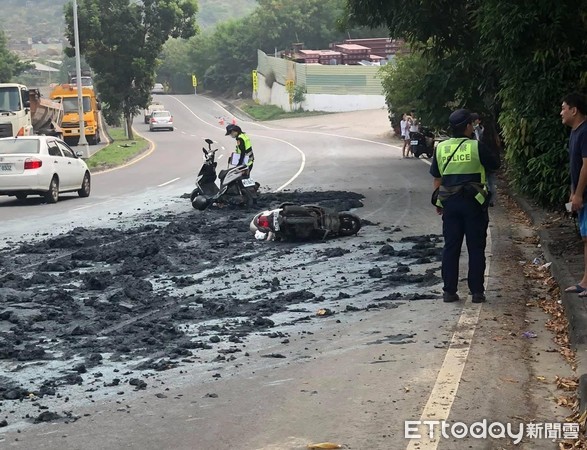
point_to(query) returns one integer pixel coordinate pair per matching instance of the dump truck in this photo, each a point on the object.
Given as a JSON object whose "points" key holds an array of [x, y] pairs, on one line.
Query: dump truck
{"points": [[23, 112], [66, 94], [86, 78], [155, 106]]}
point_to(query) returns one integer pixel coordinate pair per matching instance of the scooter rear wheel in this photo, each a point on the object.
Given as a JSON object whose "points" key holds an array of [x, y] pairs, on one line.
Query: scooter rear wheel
{"points": [[349, 224]]}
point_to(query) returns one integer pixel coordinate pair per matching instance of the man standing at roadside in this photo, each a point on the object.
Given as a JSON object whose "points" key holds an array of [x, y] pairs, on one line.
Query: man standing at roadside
{"points": [[459, 169], [573, 114]]}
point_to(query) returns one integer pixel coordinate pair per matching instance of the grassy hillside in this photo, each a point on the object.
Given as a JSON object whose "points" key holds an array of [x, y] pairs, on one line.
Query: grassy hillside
{"points": [[44, 19], [214, 11], [36, 19]]}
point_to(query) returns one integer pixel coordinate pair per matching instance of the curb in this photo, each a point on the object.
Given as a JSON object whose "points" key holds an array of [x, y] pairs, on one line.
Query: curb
{"points": [[574, 310], [230, 107]]}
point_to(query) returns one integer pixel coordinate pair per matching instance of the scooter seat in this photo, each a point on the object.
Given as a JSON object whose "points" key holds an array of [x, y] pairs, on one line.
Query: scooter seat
{"points": [[222, 174]]}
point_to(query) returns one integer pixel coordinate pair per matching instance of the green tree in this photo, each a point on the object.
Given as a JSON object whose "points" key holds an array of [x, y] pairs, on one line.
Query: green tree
{"points": [[224, 57], [175, 69], [541, 51], [10, 64], [122, 39], [513, 60]]}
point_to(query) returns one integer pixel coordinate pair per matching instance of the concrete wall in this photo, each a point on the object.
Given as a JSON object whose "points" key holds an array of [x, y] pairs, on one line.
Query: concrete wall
{"points": [[328, 88]]}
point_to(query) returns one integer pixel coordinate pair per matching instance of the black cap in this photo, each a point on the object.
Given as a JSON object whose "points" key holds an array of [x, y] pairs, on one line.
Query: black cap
{"points": [[475, 116], [460, 117], [230, 128]]}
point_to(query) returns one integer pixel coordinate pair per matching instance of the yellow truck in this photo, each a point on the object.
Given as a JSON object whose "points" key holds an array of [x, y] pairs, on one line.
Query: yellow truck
{"points": [[66, 94]]}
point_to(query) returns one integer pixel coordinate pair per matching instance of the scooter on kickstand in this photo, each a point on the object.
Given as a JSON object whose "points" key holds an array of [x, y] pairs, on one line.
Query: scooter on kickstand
{"points": [[422, 142], [236, 187]]}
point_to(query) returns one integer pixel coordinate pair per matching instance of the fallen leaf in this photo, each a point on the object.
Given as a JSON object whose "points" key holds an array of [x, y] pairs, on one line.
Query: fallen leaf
{"points": [[509, 380], [324, 445]]}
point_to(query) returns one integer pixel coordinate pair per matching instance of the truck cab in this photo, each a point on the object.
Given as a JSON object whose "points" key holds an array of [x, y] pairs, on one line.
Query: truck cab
{"points": [[15, 120], [23, 112], [66, 94]]}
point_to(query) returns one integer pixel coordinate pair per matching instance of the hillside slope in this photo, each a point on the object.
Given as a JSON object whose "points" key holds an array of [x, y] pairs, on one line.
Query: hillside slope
{"points": [[44, 19]]}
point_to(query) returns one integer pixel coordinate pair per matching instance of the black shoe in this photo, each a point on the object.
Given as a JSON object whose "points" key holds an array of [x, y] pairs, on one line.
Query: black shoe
{"points": [[447, 297], [479, 298]]}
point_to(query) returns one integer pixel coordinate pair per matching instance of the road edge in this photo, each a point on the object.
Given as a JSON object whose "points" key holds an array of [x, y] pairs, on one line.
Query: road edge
{"points": [[574, 310]]}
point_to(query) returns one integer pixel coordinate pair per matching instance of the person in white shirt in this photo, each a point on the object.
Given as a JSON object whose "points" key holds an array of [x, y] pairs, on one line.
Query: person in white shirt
{"points": [[403, 127]]}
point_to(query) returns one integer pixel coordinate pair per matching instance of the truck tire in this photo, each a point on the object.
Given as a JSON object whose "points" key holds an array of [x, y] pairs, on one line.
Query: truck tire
{"points": [[52, 195], [84, 191]]}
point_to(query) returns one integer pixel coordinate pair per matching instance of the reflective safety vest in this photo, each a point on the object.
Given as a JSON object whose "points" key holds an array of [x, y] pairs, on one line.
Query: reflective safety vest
{"points": [[248, 148], [465, 161]]}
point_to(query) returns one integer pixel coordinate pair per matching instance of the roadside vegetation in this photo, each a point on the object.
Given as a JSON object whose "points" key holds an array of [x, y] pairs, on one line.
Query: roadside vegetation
{"points": [[119, 152], [272, 112], [511, 62], [223, 57]]}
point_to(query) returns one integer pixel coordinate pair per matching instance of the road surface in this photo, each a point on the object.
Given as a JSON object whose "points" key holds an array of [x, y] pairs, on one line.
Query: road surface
{"points": [[354, 377]]}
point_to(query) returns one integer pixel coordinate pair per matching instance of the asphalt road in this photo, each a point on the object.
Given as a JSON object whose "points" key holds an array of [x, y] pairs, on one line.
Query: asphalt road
{"points": [[351, 380]]}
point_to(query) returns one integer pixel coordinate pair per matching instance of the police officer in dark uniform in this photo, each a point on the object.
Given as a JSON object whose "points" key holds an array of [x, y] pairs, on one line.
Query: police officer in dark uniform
{"points": [[459, 168]]}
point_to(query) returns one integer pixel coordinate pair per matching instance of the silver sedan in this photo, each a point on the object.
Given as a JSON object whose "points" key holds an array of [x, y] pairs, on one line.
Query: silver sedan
{"points": [[41, 165], [161, 120]]}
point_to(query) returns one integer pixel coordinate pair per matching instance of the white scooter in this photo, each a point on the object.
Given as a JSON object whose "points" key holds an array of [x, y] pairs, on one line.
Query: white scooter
{"points": [[236, 188]]}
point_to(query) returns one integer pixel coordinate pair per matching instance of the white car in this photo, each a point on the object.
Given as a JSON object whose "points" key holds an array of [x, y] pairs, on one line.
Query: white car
{"points": [[158, 88], [41, 165], [161, 120]]}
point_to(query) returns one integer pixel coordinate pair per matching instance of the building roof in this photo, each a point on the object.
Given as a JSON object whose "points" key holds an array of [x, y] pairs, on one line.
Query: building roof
{"points": [[43, 68], [309, 52], [353, 47], [329, 53]]}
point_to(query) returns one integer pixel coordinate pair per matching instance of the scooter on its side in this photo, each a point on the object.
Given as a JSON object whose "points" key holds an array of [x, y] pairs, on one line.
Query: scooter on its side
{"points": [[235, 188], [291, 222]]}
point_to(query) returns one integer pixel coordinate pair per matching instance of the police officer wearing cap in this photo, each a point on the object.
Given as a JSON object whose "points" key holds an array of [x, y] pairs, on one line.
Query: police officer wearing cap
{"points": [[459, 168], [243, 146]]}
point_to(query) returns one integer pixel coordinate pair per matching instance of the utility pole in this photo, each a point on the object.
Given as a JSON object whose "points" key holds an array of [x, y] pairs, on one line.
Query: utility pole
{"points": [[80, 101]]}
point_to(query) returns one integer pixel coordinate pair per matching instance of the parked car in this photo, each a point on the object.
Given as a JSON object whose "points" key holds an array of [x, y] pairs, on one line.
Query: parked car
{"points": [[155, 106], [161, 120], [41, 165], [158, 88]]}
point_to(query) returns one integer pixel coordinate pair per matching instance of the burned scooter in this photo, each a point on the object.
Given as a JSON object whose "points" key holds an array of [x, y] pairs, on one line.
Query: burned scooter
{"points": [[235, 188], [290, 222]]}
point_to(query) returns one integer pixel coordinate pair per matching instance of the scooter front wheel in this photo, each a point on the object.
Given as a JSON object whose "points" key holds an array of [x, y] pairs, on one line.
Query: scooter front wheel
{"points": [[197, 191]]}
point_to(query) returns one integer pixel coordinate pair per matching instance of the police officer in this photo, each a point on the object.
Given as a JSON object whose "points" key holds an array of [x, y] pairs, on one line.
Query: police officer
{"points": [[459, 169], [243, 146]]}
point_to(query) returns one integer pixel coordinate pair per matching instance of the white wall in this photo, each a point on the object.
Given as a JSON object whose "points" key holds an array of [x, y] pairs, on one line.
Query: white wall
{"points": [[277, 95]]}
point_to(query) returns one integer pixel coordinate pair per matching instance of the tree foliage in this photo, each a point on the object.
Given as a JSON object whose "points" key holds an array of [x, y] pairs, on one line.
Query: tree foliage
{"points": [[224, 57], [10, 64], [512, 61], [122, 39]]}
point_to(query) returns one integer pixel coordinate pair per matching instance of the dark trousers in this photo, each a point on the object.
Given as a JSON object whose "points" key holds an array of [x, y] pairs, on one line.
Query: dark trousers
{"points": [[464, 217]]}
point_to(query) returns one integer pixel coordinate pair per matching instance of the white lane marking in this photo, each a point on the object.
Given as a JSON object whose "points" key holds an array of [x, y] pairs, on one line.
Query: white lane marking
{"points": [[447, 383], [92, 205], [278, 382], [288, 182], [168, 182]]}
